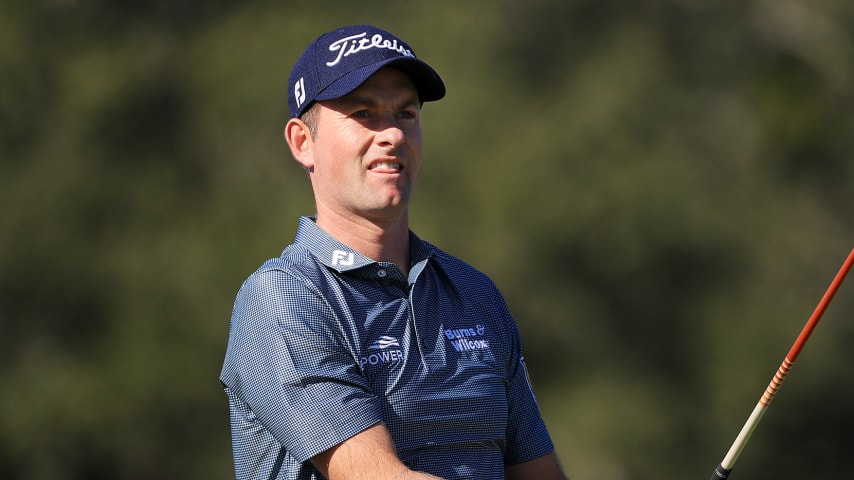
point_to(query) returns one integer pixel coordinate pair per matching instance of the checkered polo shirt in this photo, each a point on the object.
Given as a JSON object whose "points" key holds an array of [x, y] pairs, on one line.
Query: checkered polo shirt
{"points": [[325, 342]]}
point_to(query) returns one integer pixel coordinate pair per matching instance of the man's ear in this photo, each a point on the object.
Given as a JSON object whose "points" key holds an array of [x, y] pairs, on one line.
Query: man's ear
{"points": [[299, 138]]}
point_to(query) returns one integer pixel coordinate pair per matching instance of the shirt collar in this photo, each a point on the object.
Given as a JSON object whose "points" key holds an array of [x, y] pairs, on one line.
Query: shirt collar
{"points": [[338, 256]]}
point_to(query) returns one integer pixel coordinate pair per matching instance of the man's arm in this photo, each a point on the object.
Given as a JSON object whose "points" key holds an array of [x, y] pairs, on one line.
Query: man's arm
{"points": [[546, 467], [368, 455]]}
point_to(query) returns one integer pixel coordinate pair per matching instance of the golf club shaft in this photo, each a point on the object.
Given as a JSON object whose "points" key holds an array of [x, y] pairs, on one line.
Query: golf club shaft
{"points": [[725, 467]]}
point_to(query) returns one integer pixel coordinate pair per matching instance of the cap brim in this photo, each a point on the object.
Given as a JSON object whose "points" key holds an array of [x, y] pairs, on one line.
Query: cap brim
{"points": [[428, 83]]}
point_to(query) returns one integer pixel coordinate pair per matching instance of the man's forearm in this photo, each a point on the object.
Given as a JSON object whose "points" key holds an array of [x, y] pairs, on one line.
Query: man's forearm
{"points": [[368, 455]]}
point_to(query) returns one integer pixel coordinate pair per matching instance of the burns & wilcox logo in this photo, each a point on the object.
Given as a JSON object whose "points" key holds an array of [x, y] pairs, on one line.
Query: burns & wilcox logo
{"points": [[467, 339]]}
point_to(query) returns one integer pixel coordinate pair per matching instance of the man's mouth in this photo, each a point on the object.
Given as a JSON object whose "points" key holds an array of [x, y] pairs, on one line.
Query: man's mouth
{"points": [[387, 166]]}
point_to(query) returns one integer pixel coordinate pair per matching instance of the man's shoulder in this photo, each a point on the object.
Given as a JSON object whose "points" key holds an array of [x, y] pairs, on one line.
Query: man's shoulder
{"points": [[295, 263], [294, 258], [296, 274], [459, 269]]}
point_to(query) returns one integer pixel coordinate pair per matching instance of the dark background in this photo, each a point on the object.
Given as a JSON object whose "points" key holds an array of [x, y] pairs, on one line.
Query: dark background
{"points": [[661, 188]]}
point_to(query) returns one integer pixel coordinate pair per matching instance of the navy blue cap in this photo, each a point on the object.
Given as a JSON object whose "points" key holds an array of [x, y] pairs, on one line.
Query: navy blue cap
{"points": [[339, 61]]}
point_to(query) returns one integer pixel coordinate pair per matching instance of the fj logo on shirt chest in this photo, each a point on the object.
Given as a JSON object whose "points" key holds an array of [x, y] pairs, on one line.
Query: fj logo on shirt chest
{"points": [[466, 339]]}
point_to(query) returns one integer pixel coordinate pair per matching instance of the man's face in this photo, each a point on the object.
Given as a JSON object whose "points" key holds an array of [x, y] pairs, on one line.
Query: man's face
{"points": [[367, 149]]}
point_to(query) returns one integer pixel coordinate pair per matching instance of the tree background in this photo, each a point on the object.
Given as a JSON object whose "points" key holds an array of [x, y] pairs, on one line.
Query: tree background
{"points": [[661, 188]]}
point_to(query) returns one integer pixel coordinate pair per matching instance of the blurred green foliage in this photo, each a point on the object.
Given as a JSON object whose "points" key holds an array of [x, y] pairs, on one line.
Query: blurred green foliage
{"points": [[661, 188]]}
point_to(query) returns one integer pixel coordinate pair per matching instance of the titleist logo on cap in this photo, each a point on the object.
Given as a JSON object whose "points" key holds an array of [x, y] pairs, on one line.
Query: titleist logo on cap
{"points": [[357, 43], [338, 62]]}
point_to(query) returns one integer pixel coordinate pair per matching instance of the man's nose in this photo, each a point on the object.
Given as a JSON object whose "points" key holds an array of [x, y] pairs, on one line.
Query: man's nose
{"points": [[389, 131]]}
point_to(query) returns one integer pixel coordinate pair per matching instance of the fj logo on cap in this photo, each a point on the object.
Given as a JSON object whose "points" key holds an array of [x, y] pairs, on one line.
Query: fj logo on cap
{"points": [[357, 43], [299, 91]]}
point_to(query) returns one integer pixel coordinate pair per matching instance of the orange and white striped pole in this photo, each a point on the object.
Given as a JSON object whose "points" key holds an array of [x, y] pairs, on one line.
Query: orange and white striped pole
{"points": [[725, 467]]}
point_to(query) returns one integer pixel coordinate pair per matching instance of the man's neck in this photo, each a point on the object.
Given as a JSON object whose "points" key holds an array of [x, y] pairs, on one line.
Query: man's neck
{"points": [[386, 241]]}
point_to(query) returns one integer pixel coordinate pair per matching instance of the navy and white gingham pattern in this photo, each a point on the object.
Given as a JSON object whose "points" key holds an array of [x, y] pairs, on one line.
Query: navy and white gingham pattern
{"points": [[325, 342]]}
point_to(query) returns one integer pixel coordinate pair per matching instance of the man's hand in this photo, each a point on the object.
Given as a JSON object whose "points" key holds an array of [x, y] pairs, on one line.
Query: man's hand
{"points": [[368, 455]]}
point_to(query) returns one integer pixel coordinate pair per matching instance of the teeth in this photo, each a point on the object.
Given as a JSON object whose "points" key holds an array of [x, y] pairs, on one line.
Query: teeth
{"points": [[387, 165]]}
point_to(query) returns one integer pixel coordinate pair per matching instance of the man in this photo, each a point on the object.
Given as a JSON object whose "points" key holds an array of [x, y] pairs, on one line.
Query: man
{"points": [[364, 352]]}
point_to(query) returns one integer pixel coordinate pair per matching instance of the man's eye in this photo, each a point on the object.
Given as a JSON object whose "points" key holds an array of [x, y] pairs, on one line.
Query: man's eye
{"points": [[361, 114]]}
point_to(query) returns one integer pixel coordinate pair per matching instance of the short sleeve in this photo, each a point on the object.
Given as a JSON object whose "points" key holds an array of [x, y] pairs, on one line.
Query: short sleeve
{"points": [[288, 363], [527, 436]]}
